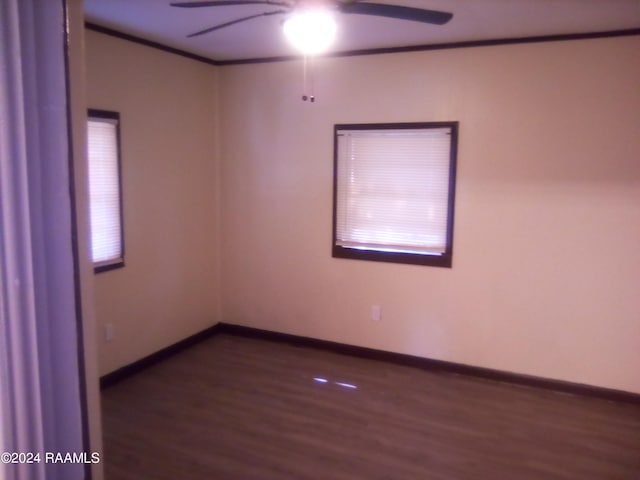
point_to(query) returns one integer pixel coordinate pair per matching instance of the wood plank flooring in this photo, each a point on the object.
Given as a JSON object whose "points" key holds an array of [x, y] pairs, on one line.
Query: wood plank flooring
{"points": [[240, 408]]}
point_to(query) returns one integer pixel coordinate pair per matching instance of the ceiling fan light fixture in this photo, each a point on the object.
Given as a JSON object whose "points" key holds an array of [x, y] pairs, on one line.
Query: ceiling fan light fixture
{"points": [[311, 31]]}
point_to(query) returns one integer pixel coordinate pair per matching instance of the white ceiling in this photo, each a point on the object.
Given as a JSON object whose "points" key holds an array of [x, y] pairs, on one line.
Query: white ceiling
{"points": [[473, 20]]}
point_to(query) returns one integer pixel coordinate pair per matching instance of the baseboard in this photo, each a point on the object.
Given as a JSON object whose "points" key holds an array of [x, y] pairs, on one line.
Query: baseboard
{"points": [[436, 365], [128, 370], [373, 354]]}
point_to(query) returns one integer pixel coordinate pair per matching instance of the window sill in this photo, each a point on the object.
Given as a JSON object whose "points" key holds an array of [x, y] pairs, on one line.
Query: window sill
{"points": [[444, 260], [109, 266]]}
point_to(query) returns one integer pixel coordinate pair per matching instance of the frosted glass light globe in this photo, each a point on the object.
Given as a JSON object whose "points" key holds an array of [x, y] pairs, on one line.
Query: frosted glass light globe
{"points": [[311, 32]]}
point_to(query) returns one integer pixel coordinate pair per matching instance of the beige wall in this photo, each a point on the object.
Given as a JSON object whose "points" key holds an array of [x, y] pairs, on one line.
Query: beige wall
{"points": [[546, 268], [546, 258], [169, 288]]}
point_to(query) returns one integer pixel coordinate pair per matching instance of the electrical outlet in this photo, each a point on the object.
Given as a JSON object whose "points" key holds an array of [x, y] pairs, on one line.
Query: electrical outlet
{"points": [[109, 332], [376, 312]]}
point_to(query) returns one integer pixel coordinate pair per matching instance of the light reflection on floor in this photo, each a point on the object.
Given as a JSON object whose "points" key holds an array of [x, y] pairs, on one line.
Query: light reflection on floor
{"points": [[340, 384]]}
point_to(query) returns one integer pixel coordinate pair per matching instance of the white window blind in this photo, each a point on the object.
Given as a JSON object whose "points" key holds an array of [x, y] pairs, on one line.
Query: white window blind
{"points": [[393, 190], [104, 191]]}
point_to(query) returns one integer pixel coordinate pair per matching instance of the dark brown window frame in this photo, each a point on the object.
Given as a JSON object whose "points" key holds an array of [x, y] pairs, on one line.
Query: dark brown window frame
{"points": [[111, 115], [443, 260]]}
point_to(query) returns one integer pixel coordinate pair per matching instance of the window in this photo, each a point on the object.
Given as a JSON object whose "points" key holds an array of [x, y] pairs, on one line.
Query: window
{"points": [[394, 192], [105, 196]]}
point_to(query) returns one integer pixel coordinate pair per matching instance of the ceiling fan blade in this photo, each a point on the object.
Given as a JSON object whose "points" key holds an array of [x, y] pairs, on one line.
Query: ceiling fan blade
{"points": [[226, 3], [396, 11], [233, 22]]}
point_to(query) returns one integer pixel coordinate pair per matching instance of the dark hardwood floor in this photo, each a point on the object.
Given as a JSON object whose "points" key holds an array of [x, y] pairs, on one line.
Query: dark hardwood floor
{"points": [[240, 408]]}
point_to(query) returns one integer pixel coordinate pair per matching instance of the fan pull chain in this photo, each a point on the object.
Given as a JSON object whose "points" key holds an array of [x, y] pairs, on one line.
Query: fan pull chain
{"points": [[307, 63], [312, 76]]}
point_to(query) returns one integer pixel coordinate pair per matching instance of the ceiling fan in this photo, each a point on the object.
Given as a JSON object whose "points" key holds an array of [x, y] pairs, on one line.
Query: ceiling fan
{"points": [[309, 24], [296, 8]]}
